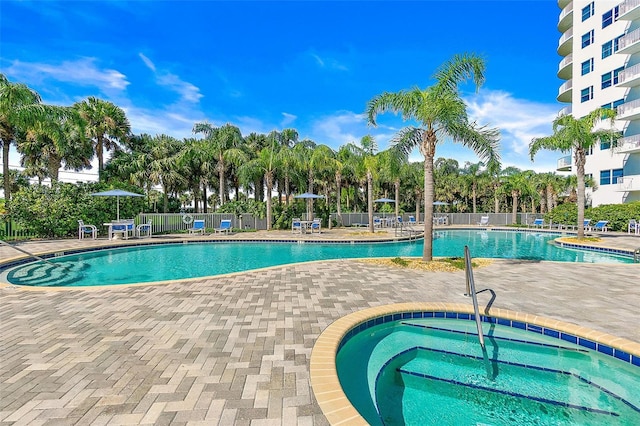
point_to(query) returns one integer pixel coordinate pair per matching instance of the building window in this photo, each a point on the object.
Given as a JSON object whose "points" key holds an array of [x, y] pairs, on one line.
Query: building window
{"points": [[587, 11], [605, 145], [610, 17], [617, 103], [588, 178], [587, 39], [587, 66], [616, 43], [606, 80], [605, 177], [586, 94], [607, 49], [616, 175], [617, 71]]}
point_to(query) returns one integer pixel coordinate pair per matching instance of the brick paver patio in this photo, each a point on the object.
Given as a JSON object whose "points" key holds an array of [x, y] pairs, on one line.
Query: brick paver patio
{"points": [[234, 350]]}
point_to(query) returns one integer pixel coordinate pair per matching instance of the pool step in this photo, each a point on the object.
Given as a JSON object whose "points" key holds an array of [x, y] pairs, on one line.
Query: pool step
{"points": [[48, 275], [473, 378]]}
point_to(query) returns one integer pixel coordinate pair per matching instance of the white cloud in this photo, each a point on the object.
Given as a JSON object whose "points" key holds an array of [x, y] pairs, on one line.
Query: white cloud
{"points": [[288, 119], [147, 62], [328, 63], [81, 72]]}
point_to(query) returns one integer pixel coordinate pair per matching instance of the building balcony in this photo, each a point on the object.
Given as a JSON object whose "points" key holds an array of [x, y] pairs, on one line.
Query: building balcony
{"points": [[566, 18], [565, 45], [564, 164], [628, 145], [563, 3], [629, 111], [565, 70], [565, 111], [628, 184], [629, 10], [630, 43], [630, 77], [564, 94]]}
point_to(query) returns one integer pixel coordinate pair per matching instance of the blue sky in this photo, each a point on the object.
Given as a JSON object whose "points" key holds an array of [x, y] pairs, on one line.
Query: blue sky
{"points": [[309, 65]]}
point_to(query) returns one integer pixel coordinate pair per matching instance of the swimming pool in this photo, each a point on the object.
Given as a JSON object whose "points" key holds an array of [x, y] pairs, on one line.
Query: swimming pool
{"points": [[412, 366], [152, 263]]}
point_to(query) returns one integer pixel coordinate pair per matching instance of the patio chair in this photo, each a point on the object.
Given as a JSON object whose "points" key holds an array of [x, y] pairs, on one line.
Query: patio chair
{"points": [[85, 229], [586, 223], [198, 227], [377, 222], [225, 227], [144, 228], [296, 226], [412, 220], [484, 221], [121, 227], [600, 226], [634, 226], [316, 226], [537, 223]]}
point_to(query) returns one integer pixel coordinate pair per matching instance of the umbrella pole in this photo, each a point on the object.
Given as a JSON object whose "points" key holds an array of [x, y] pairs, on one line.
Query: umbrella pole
{"points": [[118, 207]]}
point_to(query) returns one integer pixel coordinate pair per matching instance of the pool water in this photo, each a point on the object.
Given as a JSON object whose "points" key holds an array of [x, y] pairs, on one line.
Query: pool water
{"points": [[177, 261], [433, 371]]}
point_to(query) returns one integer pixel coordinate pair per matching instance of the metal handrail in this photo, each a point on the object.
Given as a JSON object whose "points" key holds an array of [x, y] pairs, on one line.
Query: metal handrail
{"points": [[636, 255], [29, 253], [471, 291]]}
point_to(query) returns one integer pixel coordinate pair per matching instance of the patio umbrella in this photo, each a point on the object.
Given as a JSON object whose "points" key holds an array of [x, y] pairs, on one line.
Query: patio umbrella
{"points": [[116, 193], [384, 200], [309, 197], [440, 203]]}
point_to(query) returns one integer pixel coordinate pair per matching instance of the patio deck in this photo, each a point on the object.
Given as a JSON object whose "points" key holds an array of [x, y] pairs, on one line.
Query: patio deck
{"points": [[235, 349]]}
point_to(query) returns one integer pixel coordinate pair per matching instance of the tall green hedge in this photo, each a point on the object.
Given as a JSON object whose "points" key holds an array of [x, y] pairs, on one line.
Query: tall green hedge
{"points": [[618, 215]]}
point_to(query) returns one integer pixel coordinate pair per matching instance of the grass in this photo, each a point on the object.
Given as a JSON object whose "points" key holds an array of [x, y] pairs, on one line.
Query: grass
{"points": [[446, 264]]}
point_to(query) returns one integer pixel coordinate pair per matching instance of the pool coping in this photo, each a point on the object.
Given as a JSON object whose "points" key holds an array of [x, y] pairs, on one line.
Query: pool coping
{"points": [[322, 366]]}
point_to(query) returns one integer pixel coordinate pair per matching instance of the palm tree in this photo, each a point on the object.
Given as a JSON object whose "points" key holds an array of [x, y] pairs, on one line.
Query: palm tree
{"points": [[225, 143], [577, 135], [442, 113], [264, 165], [105, 123], [159, 165], [58, 137], [17, 110]]}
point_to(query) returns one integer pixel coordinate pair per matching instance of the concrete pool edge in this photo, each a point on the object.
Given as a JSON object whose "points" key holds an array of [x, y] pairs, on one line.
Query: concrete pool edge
{"points": [[325, 383]]}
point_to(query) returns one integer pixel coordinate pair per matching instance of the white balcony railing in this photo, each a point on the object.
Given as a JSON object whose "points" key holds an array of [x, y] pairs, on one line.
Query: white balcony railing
{"points": [[628, 108], [629, 39], [629, 73], [564, 163], [567, 10], [566, 36], [628, 183], [628, 144], [628, 5], [567, 60], [565, 86], [565, 111]]}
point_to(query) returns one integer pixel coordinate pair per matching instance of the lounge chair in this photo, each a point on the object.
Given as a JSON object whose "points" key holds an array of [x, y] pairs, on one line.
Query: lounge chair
{"points": [[586, 223], [412, 220], [85, 229], [225, 226], [198, 227], [377, 222], [634, 226], [316, 226], [600, 226], [296, 226], [484, 221], [538, 223], [144, 228]]}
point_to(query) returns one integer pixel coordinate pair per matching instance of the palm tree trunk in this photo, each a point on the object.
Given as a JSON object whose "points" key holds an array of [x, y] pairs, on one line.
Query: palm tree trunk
{"points": [[397, 187], [5, 168], [370, 199], [427, 252], [473, 194], [338, 197], [514, 210], [268, 179], [204, 197], [580, 160], [417, 192]]}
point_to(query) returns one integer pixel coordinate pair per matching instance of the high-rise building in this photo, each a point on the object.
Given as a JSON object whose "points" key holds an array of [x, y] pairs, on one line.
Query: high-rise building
{"points": [[600, 49]]}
